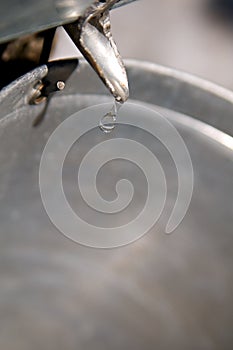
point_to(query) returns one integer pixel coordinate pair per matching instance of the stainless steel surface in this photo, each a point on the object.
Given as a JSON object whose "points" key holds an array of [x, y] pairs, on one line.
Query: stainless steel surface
{"points": [[94, 39], [162, 292]]}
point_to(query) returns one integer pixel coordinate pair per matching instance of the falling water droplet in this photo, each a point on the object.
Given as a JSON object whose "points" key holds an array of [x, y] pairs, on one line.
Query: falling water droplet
{"points": [[108, 121]]}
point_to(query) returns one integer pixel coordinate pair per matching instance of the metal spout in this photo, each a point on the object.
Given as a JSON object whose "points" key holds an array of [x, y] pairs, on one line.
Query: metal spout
{"points": [[92, 35]]}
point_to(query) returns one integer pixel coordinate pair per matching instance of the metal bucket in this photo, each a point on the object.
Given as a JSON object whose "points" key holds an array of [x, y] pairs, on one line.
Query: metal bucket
{"points": [[161, 292]]}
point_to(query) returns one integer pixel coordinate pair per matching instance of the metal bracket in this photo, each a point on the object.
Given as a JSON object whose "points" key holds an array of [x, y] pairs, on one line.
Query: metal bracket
{"points": [[55, 80]]}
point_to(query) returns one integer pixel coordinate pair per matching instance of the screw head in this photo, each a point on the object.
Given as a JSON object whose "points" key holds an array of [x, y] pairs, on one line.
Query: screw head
{"points": [[61, 85]]}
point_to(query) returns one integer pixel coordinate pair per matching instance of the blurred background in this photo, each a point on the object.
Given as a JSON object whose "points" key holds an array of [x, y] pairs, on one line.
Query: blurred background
{"points": [[195, 36]]}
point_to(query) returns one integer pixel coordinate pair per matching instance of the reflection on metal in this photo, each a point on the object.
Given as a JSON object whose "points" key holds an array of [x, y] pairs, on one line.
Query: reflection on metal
{"points": [[204, 129], [159, 290], [92, 35]]}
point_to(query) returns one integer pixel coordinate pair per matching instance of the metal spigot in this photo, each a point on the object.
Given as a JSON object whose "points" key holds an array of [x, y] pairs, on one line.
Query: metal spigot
{"points": [[92, 35], [27, 33]]}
